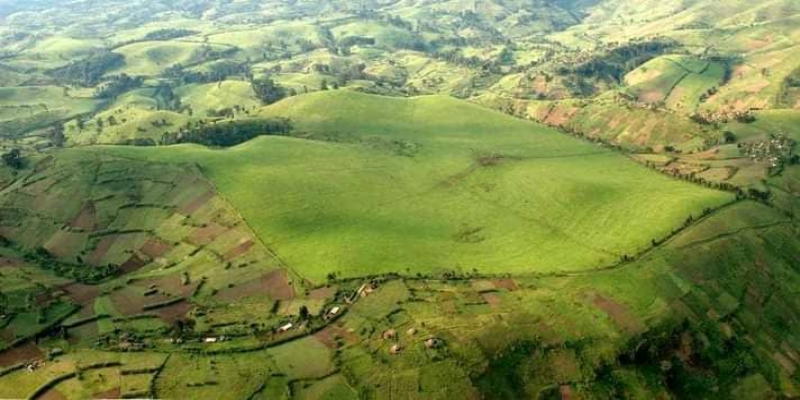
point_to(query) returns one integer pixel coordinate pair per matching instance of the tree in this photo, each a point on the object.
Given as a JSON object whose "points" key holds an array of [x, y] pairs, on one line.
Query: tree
{"points": [[267, 90], [304, 314], [729, 137], [57, 135], [324, 85], [13, 159]]}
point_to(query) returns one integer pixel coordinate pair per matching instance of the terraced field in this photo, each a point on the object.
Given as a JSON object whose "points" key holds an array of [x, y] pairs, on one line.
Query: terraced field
{"points": [[439, 199]]}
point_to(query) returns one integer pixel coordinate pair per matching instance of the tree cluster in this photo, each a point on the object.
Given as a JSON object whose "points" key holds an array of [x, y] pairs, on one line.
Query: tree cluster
{"points": [[228, 133], [117, 85], [90, 71], [267, 90]]}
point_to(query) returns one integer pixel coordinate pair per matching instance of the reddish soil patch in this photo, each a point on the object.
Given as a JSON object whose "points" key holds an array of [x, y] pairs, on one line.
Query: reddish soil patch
{"points": [[52, 394], [278, 287], [560, 116], [83, 333], [505, 283], [322, 293], [328, 336], [103, 246], [80, 293], [785, 362], [566, 392], [651, 96], [275, 284], [133, 263], [63, 244], [207, 234], [128, 302], [111, 394], [169, 284], [194, 205], [20, 354], [239, 250], [155, 248], [9, 263], [43, 298], [757, 87], [86, 219], [174, 312], [618, 313], [44, 164], [492, 298]]}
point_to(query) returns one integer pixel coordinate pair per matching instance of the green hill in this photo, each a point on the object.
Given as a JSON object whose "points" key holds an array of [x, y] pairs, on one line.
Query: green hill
{"points": [[365, 184]]}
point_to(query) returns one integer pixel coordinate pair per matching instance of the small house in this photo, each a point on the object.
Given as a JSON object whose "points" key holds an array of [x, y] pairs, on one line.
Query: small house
{"points": [[286, 327]]}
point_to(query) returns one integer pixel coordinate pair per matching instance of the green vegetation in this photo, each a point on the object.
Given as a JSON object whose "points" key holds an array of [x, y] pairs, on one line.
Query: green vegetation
{"points": [[338, 200], [407, 160]]}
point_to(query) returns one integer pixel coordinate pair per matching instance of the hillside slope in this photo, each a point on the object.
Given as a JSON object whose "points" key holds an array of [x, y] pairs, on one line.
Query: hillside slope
{"points": [[364, 181]]}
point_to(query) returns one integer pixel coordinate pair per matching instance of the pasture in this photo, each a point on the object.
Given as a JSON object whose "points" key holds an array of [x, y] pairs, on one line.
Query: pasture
{"points": [[381, 185]]}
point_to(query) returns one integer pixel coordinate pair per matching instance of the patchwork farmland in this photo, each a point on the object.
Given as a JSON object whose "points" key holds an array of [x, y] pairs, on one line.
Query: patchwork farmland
{"points": [[437, 199]]}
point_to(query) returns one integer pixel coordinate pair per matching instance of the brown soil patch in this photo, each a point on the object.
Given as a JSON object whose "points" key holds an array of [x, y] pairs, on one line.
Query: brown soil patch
{"points": [[20, 354], [133, 264], [207, 234], [785, 362], [560, 116], [684, 351], [493, 299], [328, 335], [102, 248], [44, 164], [275, 284], [194, 205], [239, 250], [83, 333], [278, 287], [131, 300], [618, 313], [505, 283], [155, 248], [758, 43], [169, 284], [9, 263], [52, 394], [757, 87], [565, 391], [651, 96], [80, 293], [322, 293], [127, 302], [86, 219], [115, 393], [174, 312], [63, 244]]}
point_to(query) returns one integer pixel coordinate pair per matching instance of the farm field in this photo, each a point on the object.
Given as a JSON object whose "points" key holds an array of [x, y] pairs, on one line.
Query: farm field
{"points": [[376, 199]]}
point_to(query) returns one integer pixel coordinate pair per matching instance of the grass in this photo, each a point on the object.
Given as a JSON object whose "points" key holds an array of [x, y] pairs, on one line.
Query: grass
{"points": [[305, 358], [371, 198], [217, 96], [31, 107], [678, 82], [152, 58], [233, 376]]}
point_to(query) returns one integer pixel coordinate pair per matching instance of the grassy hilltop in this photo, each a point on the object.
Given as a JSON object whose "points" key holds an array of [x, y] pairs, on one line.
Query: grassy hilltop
{"points": [[366, 184]]}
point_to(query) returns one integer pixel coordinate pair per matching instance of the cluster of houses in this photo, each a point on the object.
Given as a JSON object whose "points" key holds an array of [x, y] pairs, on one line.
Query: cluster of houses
{"points": [[430, 342], [772, 151]]}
